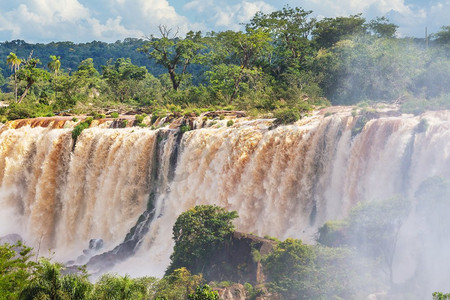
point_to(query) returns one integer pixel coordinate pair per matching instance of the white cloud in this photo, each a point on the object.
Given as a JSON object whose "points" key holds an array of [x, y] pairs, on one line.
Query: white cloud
{"points": [[45, 20], [232, 15], [199, 6], [110, 20]]}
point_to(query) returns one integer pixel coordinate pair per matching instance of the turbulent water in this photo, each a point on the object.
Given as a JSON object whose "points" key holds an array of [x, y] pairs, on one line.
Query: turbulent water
{"points": [[283, 182]]}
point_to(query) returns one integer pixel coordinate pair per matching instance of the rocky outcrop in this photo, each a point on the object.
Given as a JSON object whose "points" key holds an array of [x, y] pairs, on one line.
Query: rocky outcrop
{"points": [[11, 239], [239, 260]]}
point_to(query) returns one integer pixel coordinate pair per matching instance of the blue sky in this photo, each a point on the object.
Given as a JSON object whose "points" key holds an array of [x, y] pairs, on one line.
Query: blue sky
{"points": [[110, 20]]}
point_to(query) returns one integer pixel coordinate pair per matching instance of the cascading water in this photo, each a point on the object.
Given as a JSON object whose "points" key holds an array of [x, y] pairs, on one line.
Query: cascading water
{"points": [[284, 182]]}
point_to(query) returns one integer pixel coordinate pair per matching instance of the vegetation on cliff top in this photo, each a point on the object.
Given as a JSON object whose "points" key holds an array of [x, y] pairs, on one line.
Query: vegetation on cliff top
{"points": [[286, 62]]}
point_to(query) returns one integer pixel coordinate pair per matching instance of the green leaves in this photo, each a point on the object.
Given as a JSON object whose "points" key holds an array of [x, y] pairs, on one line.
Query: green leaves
{"points": [[204, 293], [197, 233], [15, 269], [173, 53]]}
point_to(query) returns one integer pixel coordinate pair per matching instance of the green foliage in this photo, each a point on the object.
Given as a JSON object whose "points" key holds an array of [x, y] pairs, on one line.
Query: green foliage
{"points": [[286, 116], [443, 37], [184, 128], [300, 271], [47, 282], [197, 233], [26, 110], [15, 269], [285, 59], [114, 115], [329, 31], [230, 123], [174, 53], [177, 285], [381, 27], [417, 106], [372, 227], [80, 127], [441, 296], [288, 265], [77, 286], [111, 286], [204, 293]]}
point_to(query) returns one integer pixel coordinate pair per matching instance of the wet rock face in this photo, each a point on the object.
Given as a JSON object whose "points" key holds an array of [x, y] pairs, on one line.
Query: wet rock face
{"points": [[233, 292], [239, 260], [95, 244]]}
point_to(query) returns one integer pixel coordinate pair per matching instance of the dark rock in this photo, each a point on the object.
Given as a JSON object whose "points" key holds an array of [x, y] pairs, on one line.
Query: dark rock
{"points": [[96, 244], [11, 238], [233, 292], [239, 260]]}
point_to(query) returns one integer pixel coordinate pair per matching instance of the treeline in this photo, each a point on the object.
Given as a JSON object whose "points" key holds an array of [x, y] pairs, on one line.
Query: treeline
{"points": [[285, 61]]}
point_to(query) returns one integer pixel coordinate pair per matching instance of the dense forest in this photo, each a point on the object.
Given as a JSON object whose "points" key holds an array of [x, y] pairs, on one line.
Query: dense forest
{"points": [[284, 63]]}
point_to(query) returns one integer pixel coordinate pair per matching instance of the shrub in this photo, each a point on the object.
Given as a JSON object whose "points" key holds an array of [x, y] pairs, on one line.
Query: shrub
{"points": [[114, 115], [286, 116], [185, 128], [80, 127], [204, 293], [230, 123]]}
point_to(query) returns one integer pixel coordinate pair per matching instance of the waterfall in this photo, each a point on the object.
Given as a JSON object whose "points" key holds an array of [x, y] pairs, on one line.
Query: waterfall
{"points": [[127, 186]]}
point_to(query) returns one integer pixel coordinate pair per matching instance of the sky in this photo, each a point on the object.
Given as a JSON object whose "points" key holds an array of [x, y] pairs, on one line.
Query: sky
{"points": [[79, 21]]}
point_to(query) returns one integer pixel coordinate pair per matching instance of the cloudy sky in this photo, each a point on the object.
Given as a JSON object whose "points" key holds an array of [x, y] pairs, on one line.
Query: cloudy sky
{"points": [[111, 20]]}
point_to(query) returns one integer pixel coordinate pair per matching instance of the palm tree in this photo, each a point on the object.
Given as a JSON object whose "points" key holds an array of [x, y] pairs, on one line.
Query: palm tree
{"points": [[15, 62], [54, 65]]}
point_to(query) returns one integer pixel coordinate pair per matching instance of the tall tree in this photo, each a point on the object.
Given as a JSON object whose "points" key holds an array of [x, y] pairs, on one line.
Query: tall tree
{"points": [[241, 52], [381, 27], [331, 30], [443, 37], [30, 74], [123, 78], [54, 65], [173, 53], [289, 29], [15, 62]]}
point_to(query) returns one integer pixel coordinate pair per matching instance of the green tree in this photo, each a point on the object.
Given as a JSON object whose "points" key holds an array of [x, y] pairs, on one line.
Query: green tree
{"points": [[15, 269], [55, 64], [289, 30], [331, 30], [381, 27], [244, 50], [30, 74], [123, 78], [204, 293], [173, 53], [372, 227], [111, 286], [77, 286], [441, 296], [45, 283], [177, 285], [197, 233], [443, 37], [288, 266], [15, 62]]}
